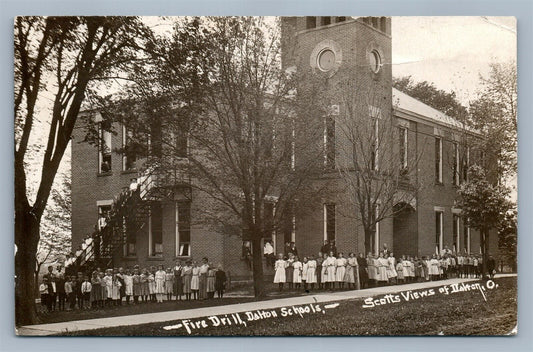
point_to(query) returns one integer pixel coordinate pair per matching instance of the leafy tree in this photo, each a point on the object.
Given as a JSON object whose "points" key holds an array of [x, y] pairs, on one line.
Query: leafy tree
{"points": [[484, 205], [427, 93], [507, 238], [56, 234], [494, 114], [225, 121], [57, 58], [256, 143]]}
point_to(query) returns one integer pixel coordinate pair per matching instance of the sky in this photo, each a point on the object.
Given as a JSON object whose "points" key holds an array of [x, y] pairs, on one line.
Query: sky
{"points": [[451, 52]]}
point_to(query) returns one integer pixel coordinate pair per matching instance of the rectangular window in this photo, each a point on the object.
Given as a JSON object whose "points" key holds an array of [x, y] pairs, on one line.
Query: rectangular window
{"points": [[183, 229], [456, 234], [104, 148], [466, 164], [329, 222], [325, 20], [438, 160], [181, 144], [466, 238], [455, 175], [403, 147], [375, 144], [329, 142], [438, 231], [104, 212], [156, 230], [129, 156]]}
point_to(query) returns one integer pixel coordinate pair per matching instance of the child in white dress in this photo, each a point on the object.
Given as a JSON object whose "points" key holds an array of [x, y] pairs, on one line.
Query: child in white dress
{"points": [[305, 267], [311, 278], [330, 264], [195, 281], [159, 279], [297, 273], [279, 275], [340, 270]]}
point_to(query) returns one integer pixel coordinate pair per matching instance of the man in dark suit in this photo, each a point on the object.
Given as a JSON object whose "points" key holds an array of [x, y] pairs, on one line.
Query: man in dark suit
{"points": [[325, 248], [52, 287], [491, 266]]}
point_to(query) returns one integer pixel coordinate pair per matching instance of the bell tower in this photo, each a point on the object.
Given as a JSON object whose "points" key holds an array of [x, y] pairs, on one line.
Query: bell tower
{"points": [[358, 46], [350, 58]]}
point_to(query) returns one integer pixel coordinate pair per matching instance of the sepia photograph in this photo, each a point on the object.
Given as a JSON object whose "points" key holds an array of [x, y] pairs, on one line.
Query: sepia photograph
{"points": [[265, 176]]}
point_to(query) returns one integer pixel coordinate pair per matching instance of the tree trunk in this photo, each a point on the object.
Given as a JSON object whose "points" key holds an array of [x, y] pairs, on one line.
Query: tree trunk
{"points": [[368, 241], [485, 239], [26, 240], [257, 264]]}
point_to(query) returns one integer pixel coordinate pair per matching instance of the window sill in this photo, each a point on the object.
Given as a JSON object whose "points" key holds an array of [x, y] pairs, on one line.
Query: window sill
{"points": [[182, 257], [155, 258], [126, 172], [102, 174], [437, 183]]}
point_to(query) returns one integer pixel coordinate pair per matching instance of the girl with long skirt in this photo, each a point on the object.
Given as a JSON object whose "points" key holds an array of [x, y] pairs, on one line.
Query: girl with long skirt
{"points": [[351, 267], [178, 282], [211, 281], [136, 286], [305, 267], [128, 285], [382, 264], [331, 271], [311, 277], [186, 277], [279, 272], [169, 284], [202, 279], [195, 280], [159, 283], [340, 270], [324, 272], [289, 271], [297, 272], [95, 289]]}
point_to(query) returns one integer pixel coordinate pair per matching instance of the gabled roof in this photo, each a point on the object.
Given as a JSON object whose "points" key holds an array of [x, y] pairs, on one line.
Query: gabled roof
{"points": [[405, 103]]}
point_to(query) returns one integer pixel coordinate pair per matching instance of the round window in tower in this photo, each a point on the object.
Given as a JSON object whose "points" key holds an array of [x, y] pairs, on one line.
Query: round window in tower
{"points": [[375, 61], [326, 60]]}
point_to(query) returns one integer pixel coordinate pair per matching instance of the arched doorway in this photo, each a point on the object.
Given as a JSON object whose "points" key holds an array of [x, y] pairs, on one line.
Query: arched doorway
{"points": [[405, 230]]}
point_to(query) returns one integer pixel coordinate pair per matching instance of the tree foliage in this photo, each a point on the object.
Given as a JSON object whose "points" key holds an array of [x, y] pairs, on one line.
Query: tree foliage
{"points": [[484, 205], [507, 238], [427, 93], [493, 112]]}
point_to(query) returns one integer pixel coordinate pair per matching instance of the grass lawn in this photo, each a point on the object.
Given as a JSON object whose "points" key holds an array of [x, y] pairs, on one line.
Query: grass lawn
{"points": [[461, 313]]}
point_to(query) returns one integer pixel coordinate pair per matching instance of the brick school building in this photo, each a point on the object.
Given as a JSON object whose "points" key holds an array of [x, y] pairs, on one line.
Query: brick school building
{"points": [[165, 227]]}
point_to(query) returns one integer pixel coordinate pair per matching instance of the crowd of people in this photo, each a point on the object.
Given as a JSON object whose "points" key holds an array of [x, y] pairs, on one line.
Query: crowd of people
{"points": [[331, 269], [187, 280]]}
